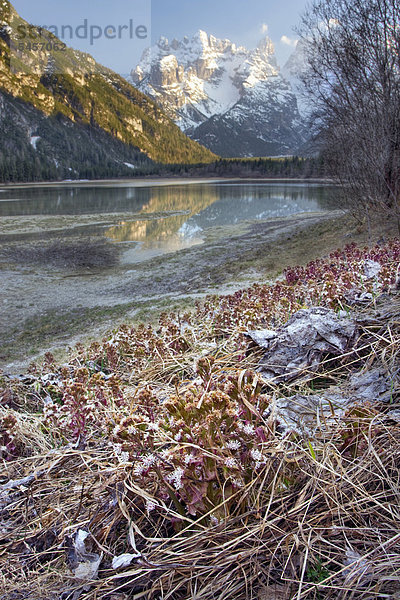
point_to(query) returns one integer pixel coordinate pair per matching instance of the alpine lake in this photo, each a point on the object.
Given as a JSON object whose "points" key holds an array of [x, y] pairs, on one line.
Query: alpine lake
{"points": [[77, 258]]}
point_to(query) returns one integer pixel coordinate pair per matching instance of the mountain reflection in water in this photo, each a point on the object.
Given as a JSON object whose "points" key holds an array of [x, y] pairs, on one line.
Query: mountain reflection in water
{"points": [[163, 218], [212, 205]]}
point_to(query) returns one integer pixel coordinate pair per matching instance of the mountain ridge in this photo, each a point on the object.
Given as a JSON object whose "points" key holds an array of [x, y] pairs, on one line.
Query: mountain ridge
{"points": [[231, 99], [50, 94]]}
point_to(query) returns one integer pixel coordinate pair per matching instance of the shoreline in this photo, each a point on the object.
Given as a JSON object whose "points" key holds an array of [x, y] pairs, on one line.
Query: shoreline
{"points": [[216, 446], [154, 180], [49, 306], [67, 303]]}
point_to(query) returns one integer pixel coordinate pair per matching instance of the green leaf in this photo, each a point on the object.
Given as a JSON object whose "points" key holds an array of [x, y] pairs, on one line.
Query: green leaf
{"points": [[312, 451]]}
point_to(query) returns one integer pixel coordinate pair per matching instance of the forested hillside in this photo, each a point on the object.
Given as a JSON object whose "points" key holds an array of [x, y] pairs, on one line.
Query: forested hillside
{"points": [[61, 112]]}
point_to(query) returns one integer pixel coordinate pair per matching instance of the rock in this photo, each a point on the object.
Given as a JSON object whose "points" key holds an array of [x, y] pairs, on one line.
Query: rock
{"points": [[303, 413], [394, 415], [297, 348], [354, 297], [370, 386], [297, 413], [262, 337]]}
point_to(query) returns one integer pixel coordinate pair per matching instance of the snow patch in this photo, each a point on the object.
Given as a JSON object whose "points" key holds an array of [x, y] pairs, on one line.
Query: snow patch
{"points": [[34, 140]]}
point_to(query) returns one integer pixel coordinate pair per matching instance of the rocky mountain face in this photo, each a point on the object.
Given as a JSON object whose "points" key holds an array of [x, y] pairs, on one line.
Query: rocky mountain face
{"points": [[232, 100], [292, 71], [64, 115]]}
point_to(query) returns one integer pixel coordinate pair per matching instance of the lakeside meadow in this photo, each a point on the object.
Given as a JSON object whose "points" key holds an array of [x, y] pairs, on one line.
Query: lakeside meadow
{"points": [[200, 301], [184, 460]]}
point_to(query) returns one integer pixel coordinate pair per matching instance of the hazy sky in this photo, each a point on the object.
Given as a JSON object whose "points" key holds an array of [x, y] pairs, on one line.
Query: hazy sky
{"points": [[121, 46]]}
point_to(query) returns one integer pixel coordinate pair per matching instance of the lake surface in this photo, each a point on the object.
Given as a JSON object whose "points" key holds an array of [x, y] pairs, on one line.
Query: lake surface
{"points": [[74, 256], [153, 219]]}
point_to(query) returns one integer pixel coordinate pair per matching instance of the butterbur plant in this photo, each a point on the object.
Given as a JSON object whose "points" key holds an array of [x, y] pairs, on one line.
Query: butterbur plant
{"points": [[330, 282], [176, 332], [133, 435], [204, 368], [162, 429], [8, 446], [77, 406], [200, 446], [336, 282]]}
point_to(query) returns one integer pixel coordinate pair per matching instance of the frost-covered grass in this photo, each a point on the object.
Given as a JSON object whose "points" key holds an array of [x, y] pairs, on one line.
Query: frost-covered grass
{"points": [[160, 442]]}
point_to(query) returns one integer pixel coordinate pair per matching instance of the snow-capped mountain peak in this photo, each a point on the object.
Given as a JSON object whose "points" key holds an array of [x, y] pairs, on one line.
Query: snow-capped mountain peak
{"points": [[203, 77]]}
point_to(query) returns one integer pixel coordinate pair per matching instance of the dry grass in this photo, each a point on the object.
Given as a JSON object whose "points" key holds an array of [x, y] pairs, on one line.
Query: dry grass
{"points": [[323, 524], [318, 520]]}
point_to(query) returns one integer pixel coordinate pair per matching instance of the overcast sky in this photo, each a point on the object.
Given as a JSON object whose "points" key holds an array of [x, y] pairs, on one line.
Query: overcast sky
{"points": [[120, 48]]}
